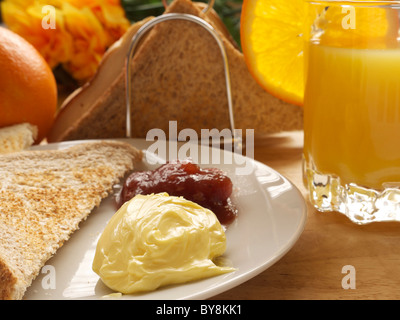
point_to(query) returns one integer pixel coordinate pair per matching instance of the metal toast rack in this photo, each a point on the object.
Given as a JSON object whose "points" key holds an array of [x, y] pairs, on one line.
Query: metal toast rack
{"points": [[236, 137]]}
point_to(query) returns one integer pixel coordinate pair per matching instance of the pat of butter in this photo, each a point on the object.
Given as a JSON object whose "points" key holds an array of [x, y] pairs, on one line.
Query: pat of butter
{"points": [[156, 240]]}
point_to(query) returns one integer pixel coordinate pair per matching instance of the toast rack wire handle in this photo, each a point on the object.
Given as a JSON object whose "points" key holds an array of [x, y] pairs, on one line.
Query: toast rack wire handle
{"points": [[237, 139], [210, 5]]}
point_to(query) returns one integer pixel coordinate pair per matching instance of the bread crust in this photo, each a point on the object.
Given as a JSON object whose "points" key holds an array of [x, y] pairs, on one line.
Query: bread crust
{"points": [[44, 195], [8, 290]]}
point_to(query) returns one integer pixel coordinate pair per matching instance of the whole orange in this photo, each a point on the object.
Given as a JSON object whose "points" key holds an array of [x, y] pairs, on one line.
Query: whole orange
{"points": [[28, 89]]}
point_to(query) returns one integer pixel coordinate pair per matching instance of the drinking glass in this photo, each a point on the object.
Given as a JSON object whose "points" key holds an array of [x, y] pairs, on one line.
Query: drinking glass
{"points": [[352, 108]]}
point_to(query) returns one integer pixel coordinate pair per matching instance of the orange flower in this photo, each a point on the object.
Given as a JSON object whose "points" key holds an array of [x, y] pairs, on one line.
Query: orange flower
{"points": [[83, 31]]}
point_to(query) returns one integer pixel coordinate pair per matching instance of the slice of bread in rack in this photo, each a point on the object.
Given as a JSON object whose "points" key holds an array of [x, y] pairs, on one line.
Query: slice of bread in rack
{"points": [[177, 74], [44, 195]]}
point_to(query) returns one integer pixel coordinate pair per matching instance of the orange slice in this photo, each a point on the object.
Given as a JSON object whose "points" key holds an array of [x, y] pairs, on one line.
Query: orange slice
{"points": [[272, 44]]}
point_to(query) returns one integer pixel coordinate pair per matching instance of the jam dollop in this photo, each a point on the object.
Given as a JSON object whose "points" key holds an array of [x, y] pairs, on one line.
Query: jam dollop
{"points": [[209, 187]]}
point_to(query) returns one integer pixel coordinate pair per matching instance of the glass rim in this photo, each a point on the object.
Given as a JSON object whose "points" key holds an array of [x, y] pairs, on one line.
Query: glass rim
{"points": [[360, 3]]}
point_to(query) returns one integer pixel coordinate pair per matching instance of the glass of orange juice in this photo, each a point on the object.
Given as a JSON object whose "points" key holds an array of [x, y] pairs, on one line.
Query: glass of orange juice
{"points": [[352, 108]]}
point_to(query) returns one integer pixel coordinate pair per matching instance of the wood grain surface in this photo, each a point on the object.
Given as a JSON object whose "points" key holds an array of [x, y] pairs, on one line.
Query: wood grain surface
{"points": [[312, 269]]}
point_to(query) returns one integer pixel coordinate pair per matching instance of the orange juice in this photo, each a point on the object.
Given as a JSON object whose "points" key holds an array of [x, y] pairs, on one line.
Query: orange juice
{"points": [[352, 114]]}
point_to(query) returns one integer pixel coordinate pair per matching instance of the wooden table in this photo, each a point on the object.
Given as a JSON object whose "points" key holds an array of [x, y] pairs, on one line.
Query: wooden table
{"points": [[312, 269]]}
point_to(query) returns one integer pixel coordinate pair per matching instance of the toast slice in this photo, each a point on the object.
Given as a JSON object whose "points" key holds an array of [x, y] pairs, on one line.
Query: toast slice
{"points": [[177, 74], [17, 137], [44, 195]]}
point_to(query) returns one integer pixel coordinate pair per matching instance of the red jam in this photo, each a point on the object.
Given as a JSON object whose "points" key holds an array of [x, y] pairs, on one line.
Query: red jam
{"points": [[209, 187]]}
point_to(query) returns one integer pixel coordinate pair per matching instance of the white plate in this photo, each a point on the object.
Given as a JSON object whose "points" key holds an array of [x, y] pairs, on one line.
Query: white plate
{"points": [[272, 215]]}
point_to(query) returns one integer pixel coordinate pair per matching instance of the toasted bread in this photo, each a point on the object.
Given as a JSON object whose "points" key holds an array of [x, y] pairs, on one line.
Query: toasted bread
{"points": [[177, 74], [44, 195], [17, 137]]}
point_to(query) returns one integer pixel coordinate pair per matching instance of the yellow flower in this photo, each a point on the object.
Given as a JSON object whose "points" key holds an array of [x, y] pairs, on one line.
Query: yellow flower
{"points": [[83, 31]]}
